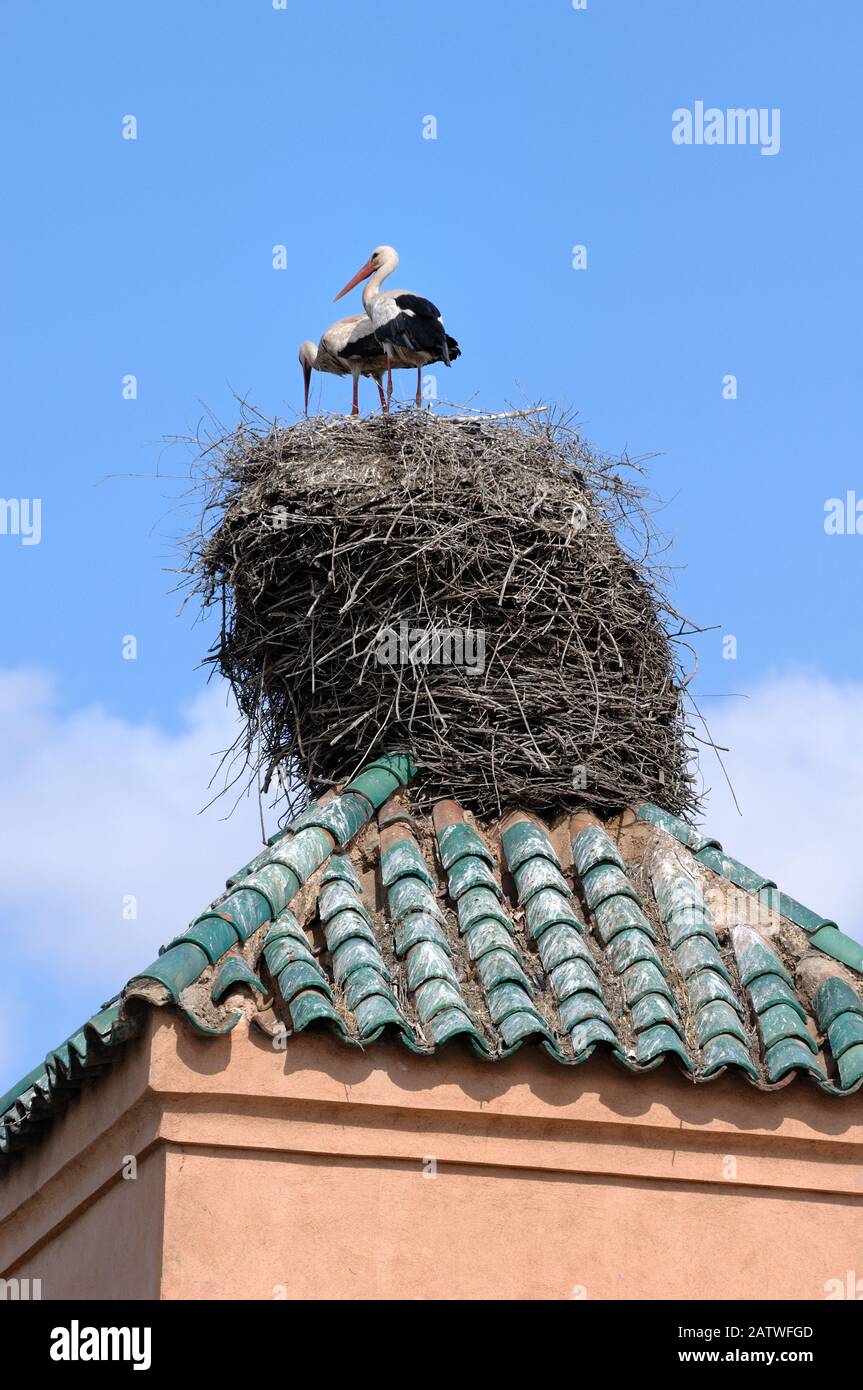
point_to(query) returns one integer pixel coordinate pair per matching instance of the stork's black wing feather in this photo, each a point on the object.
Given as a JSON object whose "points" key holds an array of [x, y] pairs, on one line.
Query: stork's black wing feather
{"points": [[365, 347], [415, 304], [415, 334]]}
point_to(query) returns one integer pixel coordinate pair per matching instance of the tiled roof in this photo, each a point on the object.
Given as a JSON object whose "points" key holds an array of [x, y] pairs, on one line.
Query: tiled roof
{"points": [[369, 917]]}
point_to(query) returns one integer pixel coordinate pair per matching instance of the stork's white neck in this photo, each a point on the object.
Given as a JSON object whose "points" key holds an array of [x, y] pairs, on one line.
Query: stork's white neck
{"points": [[373, 286]]}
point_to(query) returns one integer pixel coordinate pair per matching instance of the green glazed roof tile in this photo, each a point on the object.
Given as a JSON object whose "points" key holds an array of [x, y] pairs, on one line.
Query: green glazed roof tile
{"points": [[106, 1020], [559, 944], [833, 997], [537, 875], [348, 926], [509, 998], [340, 897], [472, 872], [376, 1013], [802, 916], [285, 924], [659, 1041], [585, 1036], [312, 1007], [522, 841], [275, 882], [755, 957], [851, 1066], [694, 839], [213, 934], [303, 853], [716, 1018], [459, 839], [22, 1087], [651, 1009], [479, 905], [402, 860], [788, 1055], [412, 895], [488, 936], [594, 846], [419, 926], [573, 976], [607, 881], [707, 986], [547, 908], [837, 945], [362, 984], [629, 947], [499, 967], [845, 1031], [353, 955], [248, 909], [343, 817], [578, 1008], [615, 914], [678, 897], [767, 990], [726, 1050], [693, 922], [781, 1022], [644, 978], [435, 996], [380, 779], [234, 971], [699, 953], [516, 1027], [300, 975], [340, 869], [428, 962], [739, 874], [452, 1024], [178, 968], [286, 949]]}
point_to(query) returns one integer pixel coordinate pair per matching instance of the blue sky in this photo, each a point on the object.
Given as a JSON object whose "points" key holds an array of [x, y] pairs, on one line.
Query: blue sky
{"points": [[303, 126]]}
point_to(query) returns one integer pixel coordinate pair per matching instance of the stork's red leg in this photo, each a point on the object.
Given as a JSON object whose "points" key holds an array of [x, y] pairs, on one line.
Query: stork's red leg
{"points": [[355, 408], [389, 376], [419, 387], [385, 405]]}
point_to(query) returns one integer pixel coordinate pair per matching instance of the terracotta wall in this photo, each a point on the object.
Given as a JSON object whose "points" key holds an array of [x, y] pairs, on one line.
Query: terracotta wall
{"points": [[326, 1172]]}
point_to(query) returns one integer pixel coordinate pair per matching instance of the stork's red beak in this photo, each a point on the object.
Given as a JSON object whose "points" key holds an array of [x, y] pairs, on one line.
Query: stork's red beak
{"points": [[362, 274]]}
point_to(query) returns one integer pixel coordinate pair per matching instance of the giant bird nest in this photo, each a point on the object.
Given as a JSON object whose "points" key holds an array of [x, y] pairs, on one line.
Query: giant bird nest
{"points": [[350, 558]]}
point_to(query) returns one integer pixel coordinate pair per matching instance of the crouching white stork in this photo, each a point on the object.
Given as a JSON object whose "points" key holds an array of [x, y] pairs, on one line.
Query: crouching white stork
{"points": [[409, 328], [349, 347]]}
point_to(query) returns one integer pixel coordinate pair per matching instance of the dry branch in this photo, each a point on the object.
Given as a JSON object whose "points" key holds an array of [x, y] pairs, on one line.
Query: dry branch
{"points": [[320, 536]]}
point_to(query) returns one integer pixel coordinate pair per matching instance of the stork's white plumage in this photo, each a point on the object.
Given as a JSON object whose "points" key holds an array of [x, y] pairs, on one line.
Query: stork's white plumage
{"points": [[348, 348], [409, 328]]}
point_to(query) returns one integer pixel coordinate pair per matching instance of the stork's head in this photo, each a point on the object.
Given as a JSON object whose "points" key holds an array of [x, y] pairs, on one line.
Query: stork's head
{"points": [[383, 259], [308, 356]]}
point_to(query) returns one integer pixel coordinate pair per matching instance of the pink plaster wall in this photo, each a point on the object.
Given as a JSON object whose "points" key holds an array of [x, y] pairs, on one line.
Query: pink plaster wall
{"points": [[300, 1174], [366, 1229], [111, 1248]]}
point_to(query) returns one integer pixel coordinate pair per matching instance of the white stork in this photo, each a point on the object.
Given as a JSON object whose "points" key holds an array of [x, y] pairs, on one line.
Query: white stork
{"points": [[409, 328], [348, 347]]}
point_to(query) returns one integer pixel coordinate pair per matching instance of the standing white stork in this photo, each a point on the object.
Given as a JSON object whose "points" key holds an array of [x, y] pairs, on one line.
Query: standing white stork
{"points": [[409, 328], [348, 347]]}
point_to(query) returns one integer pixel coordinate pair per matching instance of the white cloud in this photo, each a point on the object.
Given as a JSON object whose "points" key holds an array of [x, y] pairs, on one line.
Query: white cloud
{"points": [[796, 766], [96, 809]]}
